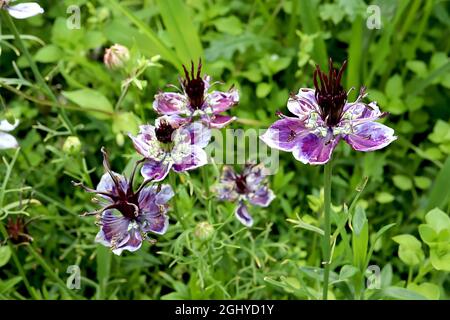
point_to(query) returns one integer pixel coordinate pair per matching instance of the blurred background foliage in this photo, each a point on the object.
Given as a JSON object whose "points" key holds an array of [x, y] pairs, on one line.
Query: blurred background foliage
{"points": [[267, 49]]}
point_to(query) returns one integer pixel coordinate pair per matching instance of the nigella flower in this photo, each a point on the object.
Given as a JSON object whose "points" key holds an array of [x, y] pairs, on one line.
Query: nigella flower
{"points": [[324, 117], [171, 144], [248, 186], [195, 100], [7, 141], [21, 10], [127, 215]]}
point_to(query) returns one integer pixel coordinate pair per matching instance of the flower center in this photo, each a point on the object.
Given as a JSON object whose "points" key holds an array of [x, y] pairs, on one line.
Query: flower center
{"points": [[128, 209], [330, 94], [194, 86], [241, 184], [164, 132]]}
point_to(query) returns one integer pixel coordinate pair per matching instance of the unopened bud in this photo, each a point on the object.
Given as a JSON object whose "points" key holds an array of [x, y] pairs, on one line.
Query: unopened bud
{"points": [[116, 56], [203, 230], [72, 145]]}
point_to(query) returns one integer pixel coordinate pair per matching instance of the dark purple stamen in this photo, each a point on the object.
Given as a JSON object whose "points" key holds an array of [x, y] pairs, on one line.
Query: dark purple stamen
{"points": [[17, 230], [330, 94], [241, 184], [126, 201], [164, 132], [194, 86]]}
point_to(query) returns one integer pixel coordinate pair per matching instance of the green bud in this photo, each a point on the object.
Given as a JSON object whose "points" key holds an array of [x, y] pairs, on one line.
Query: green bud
{"points": [[203, 230], [120, 139], [72, 145]]}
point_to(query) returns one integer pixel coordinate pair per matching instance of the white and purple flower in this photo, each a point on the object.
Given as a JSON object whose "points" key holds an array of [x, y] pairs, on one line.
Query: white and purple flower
{"points": [[324, 117], [7, 141], [21, 10], [196, 101], [248, 186], [171, 144], [127, 215]]}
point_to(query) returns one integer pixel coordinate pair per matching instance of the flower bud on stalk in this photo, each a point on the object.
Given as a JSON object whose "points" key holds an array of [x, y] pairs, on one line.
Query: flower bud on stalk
{"points": [[116, 56], [203, 231]]}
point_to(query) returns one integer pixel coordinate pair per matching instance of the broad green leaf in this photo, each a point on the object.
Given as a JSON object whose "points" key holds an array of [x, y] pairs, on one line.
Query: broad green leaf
{"points": [[384, 197], [5, 255], [410, 249], [360, 238], [438, 220], [422, 182], [440, 256], [428, 290], [263, 89], [125, 122], [394, 87], [48, 54], [92, 100], [401, 294], [440, 191], [231, 25], [347, 271], [402, 182]]}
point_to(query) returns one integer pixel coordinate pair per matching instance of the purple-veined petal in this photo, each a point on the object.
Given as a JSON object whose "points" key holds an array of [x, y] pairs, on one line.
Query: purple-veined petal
{"points": [[220, 121], [113, 230], [155, 170], [6, 126], [174, 120], [359, 111], [226, 191], [261, 197], [303, 103], [255, 174], [164, 195], [284, 133], [154, 221], [222, 101], [141, 141], [7, 141], [194, 134], [133, 243], [196, 157], [243, 215], [228, 173], [170, 103], [106, 184], [25, 10], [370, 136], [313, 149]]}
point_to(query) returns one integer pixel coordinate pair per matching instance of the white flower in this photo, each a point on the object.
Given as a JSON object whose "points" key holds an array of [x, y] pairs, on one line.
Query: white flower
{"points": [[7, 141], [21, 10]]}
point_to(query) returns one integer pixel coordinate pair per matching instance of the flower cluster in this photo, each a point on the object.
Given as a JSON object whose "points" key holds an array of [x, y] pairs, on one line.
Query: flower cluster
{"points": [[323, 117], [248, 186]]}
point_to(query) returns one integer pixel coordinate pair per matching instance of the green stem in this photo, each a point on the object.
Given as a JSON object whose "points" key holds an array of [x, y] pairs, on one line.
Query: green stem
{"points": [[327, 227], [7, 176], [172, 179], [36, 71], [50, 272]]}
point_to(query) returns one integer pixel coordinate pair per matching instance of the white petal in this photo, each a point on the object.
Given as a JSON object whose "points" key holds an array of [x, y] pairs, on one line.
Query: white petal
{"points": [[25, 10], [6, 126], [7, 141]]}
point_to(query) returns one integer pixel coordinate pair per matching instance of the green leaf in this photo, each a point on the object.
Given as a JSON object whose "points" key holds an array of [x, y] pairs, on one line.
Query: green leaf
{"points": [[359, 220], [418, 67], [92, 100], [5, 255], [263, 89], [438, 220], [401, 294], [402, 182], [440, 192], [103, 267], [428, 290], [48, 54], [347, 271], [394, 87], [125, 122], [440, 257], [360, 238], [410, 249], [231, 25], [182, 32], [422, 182], [384, 197]]}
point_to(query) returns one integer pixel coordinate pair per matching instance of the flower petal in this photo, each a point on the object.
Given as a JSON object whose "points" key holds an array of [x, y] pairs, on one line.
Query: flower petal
{"points": [[255, 174], [361, 111], [220, 121], [25, 10], [194, 134], [156, 170], [6, 126], [226, 191], [195, 158], [261, 197], [142, 141], [312, 149], [164, 195], [222, 101], [303, 103], [370, 136], [107, 184], [243, 215], [114, 229], [284, 133], [154, 221], [133, 243], [7, 141], [170, 103]]}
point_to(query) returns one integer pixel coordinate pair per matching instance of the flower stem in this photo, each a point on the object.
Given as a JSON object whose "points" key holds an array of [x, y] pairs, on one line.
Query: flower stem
{"points": [[173, 182], [327, 227], [36, 71]]}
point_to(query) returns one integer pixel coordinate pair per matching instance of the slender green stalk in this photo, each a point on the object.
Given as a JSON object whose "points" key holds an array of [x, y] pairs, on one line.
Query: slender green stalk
{"points": [[36, 71], [9, 168], [173, 182], [327, 227], [206, 186]]}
